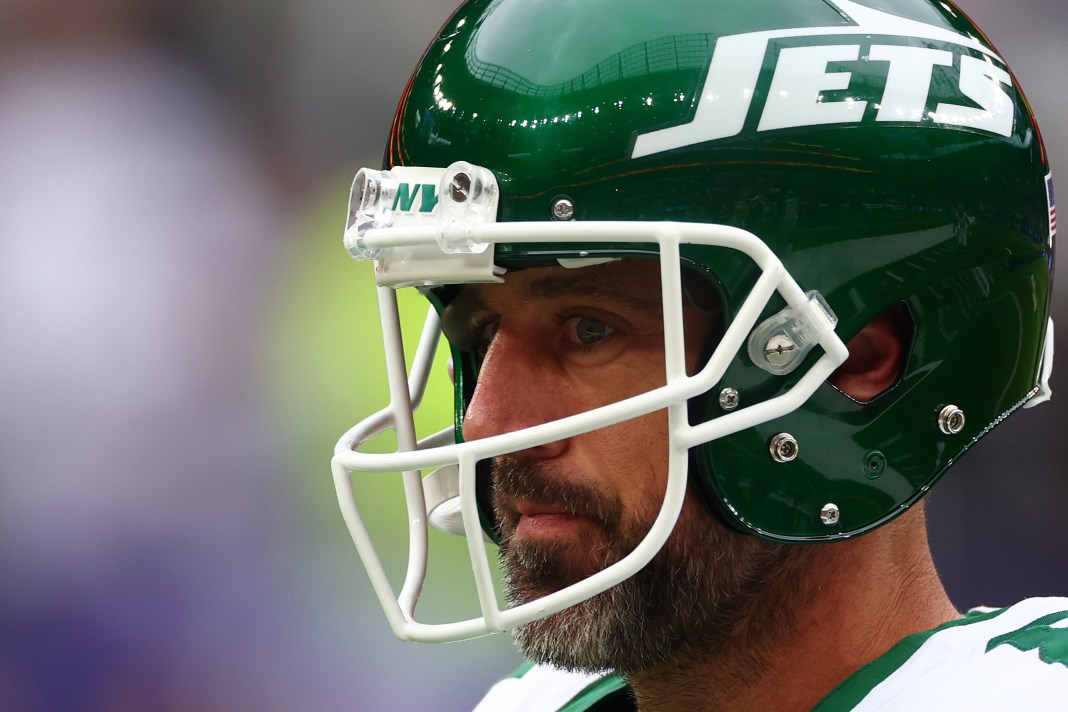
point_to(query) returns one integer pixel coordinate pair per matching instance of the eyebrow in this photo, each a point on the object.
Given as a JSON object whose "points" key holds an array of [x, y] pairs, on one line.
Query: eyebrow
{"points": [[596, 285], [456, 320]]}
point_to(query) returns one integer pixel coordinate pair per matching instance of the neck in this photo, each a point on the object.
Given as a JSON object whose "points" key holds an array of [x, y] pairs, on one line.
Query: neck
{"points": [[859, 598]]}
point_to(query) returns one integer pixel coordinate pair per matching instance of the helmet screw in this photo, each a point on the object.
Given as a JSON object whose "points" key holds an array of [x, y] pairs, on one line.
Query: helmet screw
{"points": [[729, 399], [563, 209], [779, 350], [460, 187], [951, 420], [783, 447], [830, 515]]}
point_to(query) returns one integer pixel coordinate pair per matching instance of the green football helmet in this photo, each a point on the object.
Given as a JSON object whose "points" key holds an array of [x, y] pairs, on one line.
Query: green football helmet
{"points": [[818, 162]]}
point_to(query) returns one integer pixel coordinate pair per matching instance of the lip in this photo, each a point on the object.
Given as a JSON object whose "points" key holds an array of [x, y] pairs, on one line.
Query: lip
{"points": [[539, 521], [544, 525]]}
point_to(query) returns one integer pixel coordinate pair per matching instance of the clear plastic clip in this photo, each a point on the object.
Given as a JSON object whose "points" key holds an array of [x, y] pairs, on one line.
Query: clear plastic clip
{"points": [[469, 197], [370, 208], [782, 341]]}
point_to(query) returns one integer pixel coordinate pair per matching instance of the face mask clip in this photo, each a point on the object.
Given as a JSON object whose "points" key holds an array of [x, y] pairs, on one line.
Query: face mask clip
{"points": [[391, 213], [782, 341]]}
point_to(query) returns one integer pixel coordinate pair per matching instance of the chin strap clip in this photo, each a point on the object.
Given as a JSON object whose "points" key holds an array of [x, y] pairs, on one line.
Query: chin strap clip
{"points": [[1045, 369]]}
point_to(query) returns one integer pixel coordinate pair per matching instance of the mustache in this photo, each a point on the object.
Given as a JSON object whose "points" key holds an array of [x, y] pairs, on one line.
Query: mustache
{"points": [[545, 486]]}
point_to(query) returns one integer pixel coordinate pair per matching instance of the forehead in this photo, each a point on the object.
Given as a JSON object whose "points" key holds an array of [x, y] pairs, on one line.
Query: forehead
{"points": [[632, 281]]}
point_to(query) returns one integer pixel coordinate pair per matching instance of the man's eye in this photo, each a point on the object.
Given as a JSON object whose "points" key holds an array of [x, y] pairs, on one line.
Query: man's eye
{"points": [[482, 335], [588, 331]]}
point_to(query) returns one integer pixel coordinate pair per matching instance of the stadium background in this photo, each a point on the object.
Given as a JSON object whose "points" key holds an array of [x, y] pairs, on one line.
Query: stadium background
{"points": [[184, 340]]}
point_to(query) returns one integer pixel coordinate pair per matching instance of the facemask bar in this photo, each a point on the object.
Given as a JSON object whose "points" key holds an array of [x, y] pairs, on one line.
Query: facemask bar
{"points": [[412, 456]]}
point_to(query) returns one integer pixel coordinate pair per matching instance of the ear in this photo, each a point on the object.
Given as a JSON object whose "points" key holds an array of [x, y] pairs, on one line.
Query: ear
{"points": [[876, 356]]}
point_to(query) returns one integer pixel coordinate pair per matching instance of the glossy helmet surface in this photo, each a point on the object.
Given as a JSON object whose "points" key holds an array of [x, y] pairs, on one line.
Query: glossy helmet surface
{"points": [[882, 151]]}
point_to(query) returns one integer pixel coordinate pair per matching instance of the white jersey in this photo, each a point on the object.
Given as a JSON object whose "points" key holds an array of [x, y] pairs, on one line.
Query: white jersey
{"points": [[1012, 658]]}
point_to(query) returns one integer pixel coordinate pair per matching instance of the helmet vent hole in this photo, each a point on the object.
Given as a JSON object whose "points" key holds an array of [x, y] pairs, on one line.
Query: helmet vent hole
{"points": [[877, 356]]}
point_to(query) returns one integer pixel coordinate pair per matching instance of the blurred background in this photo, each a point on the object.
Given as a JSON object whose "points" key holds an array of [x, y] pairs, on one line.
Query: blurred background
{"points": [[184, 340]]}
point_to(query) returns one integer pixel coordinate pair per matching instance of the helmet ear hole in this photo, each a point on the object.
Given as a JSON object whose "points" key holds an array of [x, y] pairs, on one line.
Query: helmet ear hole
{"points": [[877, 356]]}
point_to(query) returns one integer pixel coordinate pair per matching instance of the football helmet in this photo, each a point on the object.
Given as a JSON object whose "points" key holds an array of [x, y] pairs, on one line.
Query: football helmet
{"points": [[817, 161]]}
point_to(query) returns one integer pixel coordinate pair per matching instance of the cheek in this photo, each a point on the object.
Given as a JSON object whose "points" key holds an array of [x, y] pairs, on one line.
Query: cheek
{"points": [[641, 371], [630, 458]]}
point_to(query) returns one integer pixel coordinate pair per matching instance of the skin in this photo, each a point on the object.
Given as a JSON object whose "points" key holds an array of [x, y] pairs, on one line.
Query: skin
{"points": [[562, 341], [534, 356]]}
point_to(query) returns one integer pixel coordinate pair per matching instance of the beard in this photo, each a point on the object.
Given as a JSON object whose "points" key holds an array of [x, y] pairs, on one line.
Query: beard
{"points": [[707, 587]]}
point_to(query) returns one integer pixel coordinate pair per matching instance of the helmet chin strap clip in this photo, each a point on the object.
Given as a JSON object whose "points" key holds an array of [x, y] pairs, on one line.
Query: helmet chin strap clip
{"points": [[782, 341], [1044, 392], [441, 490]]}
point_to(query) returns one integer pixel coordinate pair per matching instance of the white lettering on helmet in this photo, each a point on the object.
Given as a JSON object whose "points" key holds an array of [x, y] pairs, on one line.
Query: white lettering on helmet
{"points": [[801, 76]]}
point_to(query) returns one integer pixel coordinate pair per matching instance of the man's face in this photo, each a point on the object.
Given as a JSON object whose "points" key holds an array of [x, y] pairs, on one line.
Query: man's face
{"points": [[562, 341]]}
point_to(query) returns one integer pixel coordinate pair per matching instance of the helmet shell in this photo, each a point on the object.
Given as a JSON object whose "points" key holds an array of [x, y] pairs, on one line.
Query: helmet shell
{"points": [[886, 155]]}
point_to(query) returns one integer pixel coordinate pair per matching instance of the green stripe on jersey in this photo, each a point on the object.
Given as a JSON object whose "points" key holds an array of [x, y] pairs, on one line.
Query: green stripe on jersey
{"points": [[1051, 642], [521, 670], [598, 692], [849, 693]]}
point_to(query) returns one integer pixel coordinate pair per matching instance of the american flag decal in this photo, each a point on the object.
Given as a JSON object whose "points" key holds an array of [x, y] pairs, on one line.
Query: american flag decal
{"points": [[1052, 208]]}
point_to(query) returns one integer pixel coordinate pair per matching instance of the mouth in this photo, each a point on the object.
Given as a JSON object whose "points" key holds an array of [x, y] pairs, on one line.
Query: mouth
{"points": [[537, 521], [548, 507], [547, 546]]}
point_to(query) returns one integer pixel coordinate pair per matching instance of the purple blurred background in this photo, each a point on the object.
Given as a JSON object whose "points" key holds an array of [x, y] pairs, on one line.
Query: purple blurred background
{"points": [[182, 345]]}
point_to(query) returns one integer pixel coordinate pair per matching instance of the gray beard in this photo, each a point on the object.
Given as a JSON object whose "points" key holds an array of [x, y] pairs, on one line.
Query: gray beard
{"points": [[708, 586]]}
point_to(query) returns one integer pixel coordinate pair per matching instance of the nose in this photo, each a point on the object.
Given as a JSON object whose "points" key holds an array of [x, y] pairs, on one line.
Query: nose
{"points": [[516, 389]]}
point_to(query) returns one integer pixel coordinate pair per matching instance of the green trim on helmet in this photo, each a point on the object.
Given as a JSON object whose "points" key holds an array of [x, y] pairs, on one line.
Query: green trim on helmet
{"points": [[943, 211]]}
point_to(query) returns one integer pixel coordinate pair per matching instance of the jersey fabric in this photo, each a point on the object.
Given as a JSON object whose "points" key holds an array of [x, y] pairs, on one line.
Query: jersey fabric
{"points": [[1012, 658]]}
